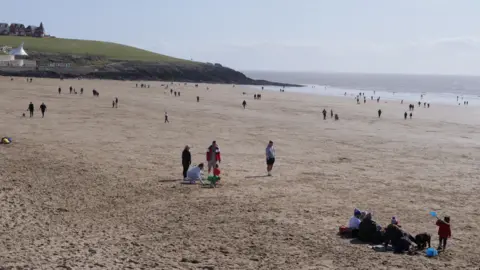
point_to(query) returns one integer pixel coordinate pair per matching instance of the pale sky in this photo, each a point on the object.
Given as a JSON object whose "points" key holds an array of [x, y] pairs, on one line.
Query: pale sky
{"points": [[387, 36]]}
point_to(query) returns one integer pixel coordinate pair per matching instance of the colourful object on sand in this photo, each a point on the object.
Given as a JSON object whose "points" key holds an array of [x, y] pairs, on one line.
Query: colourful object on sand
{"points": [[431, 252], [433, 213], [6, 140]]}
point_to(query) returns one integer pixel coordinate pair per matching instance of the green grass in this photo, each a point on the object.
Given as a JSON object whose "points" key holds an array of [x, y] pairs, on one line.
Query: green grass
{"points": [[109, 50]]}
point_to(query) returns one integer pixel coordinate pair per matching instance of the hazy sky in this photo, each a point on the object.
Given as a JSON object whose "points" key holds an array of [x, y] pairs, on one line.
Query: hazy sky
{"points": [[403, 36]]}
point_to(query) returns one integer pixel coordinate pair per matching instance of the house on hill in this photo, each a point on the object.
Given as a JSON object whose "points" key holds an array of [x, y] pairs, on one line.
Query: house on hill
{"points": [[17, 29], [30, 30], [39, 31], [4, 29]]}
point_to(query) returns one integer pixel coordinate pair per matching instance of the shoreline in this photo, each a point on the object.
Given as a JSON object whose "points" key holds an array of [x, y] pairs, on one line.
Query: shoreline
{"points": [[414, 97]]}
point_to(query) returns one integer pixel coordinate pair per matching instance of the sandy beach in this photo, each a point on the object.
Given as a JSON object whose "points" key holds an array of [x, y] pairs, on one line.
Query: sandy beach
{"points": [[92, 187]]}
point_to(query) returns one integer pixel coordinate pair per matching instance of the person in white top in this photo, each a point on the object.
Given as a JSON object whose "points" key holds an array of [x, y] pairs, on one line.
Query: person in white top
{"points": [[195, 174], [354, 222]]}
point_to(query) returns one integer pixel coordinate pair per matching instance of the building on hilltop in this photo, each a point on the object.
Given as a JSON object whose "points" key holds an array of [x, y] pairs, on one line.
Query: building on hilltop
{"points": [[30, 30], [39, 31], [17, 29], [4, 29]]}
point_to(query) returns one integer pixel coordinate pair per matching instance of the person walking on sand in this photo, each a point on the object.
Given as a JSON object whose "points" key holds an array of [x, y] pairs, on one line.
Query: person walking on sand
{"points": [[411, 115], [379, 113], [116, 102], [186, 160], [270, 156], [213, 156], [43, 108], [31, 108], [244, 103], [71, 89], [324, 112], [331, 113], [198, 99], [59, 90], [405, 115], [166, 118], [81, 91], [113, 104]]}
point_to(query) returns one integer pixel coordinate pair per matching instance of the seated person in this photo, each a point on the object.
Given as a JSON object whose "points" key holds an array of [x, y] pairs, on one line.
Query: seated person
{"points": [[353, 224], [367, 228], [194, 174], [399, 239]]}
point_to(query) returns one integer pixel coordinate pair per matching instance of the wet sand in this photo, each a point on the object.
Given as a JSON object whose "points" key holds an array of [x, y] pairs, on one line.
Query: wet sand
{"points": [[90, 186]]}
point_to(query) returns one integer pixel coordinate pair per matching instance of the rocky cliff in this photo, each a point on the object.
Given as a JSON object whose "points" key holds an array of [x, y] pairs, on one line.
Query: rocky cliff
{"points": [[53, 66]]}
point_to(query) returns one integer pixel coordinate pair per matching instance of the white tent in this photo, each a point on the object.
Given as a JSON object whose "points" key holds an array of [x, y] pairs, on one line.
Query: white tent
{"points": [[18, 51]]}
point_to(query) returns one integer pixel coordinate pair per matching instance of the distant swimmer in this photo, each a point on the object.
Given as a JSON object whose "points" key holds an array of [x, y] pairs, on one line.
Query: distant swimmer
{"points": [[379, 113], [43, 108], [244, 104], [324, 112], [405, 115]]}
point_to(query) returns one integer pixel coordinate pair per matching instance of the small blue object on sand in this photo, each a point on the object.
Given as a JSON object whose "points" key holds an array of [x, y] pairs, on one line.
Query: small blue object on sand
{"points": [[433, 213], [431, 252]]}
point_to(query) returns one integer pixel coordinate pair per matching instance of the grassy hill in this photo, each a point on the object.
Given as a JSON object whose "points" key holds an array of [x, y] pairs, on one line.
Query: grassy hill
{"points": [[109, 50]]}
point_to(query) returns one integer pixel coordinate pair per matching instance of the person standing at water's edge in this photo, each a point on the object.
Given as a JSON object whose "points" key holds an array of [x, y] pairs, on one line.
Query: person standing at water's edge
{"points": [[186, 160], [270, 155]]}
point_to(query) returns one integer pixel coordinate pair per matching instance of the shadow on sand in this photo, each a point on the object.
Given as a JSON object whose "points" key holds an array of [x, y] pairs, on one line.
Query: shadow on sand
{"points": [[169, 180], [256, 176]]}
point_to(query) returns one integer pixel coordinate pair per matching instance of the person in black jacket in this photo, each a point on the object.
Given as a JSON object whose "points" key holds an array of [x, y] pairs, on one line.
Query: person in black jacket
{"points": [[31, 108], [369, 232], [186, 160], [43, 108]]}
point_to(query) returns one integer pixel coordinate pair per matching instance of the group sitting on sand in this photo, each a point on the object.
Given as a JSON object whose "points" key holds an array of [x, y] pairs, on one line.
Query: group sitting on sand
{"points": [[362, 227]]}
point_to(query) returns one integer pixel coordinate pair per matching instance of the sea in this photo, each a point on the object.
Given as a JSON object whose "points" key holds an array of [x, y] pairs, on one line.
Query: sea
{"points": [[445, 89]]}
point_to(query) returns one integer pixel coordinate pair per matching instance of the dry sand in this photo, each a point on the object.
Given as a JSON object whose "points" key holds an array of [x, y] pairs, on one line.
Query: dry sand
{"points": [[94, 187]]}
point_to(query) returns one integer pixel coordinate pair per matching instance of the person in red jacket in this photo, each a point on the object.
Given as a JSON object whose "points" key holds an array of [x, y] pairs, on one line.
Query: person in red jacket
{"points": [[216, 172], [444, 232], [212, 156]]}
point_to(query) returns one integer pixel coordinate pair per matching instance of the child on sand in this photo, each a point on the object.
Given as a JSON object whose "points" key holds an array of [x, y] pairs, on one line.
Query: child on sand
{"points": [[444, 232], [216, 172]]}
